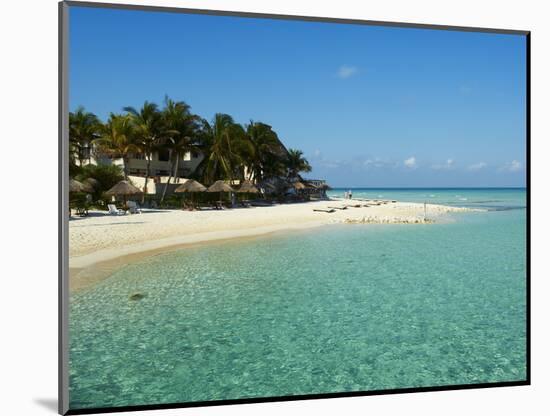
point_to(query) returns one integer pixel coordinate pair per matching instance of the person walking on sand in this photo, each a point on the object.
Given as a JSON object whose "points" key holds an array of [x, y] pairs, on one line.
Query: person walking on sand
{"points": [[350, 194], [345, 194]]}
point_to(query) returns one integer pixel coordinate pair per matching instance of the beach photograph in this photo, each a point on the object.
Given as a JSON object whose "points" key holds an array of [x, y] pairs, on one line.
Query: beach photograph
{"points": [[266, 208]]}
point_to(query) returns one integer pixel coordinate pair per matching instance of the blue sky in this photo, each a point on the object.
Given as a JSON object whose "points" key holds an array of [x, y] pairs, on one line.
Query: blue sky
{"points": [[369, 106]]}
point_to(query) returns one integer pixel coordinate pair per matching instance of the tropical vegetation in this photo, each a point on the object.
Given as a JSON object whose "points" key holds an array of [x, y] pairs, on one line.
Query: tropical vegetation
{"points": [[231, 151]]}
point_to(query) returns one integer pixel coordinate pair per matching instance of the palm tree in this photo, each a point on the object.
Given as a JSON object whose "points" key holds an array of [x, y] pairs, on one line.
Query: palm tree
{"points": [[117, 139], [180, 129], [147, 123], [83, 129], [296, 163], [223, 144], [269, 154]]}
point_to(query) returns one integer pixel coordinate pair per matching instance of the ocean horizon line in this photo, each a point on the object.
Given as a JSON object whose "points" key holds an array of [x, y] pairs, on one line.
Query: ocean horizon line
{"points": [[429, 187]]}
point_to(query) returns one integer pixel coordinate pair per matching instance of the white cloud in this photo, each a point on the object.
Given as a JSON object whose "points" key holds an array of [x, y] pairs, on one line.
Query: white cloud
{"points": [[346, 71], [410, 162], [477, 166], [378, 163], [317, 153], [515, 166], [334, 164], [449, 164]]}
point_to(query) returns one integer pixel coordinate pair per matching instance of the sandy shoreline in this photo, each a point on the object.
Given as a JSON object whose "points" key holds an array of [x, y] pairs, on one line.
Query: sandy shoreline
{"points": [[100, 243]]}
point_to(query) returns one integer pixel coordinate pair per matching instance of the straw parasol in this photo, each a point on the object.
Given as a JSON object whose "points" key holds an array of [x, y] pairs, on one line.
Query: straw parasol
{"points": [[248, 187], [219, 186], [75, 186], [191, 186], [91, 184], [124, 189]]}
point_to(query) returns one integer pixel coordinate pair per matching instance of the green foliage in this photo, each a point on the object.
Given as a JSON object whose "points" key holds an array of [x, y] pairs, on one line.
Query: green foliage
{"points": [[297, 163], [224, 146], [117, 139], [106, 175], [269, 155], [84, 127], [230, 150]]}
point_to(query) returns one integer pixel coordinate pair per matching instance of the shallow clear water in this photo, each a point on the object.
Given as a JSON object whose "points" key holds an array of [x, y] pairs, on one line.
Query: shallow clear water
{"points": [[339, 308]]}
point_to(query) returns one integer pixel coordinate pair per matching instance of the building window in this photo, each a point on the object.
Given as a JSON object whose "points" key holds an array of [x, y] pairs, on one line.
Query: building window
{"points": [[164, 155]]}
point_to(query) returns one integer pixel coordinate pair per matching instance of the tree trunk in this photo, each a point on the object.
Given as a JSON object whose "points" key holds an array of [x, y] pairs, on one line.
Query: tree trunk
{"points": [[176, 169], [169, 178], [125, 162], [147, 172]]}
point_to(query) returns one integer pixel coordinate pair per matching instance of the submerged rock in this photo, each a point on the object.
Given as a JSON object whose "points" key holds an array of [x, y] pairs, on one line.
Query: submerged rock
{"points": [[137, 296]]}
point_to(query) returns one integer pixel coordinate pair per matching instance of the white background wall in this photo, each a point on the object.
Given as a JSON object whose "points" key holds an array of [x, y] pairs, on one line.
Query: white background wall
{"points": [[28, 291]]}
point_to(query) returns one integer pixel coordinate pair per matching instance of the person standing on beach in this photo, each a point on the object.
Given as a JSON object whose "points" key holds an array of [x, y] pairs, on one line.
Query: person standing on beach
{"points": [[350, 194], [345, 194]]}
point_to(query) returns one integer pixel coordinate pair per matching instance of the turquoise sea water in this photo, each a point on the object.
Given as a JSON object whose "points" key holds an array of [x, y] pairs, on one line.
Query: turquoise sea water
{"points": [[339, 308]]}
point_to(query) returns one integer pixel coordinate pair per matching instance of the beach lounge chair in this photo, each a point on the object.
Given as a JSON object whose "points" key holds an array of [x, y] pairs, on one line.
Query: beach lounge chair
{"points": [[82, 211], [133, 207], [344, 207], [113, 210], [324, 210]]}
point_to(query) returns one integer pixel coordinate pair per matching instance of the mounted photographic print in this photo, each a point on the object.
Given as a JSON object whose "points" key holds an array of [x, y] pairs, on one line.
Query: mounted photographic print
{"points": [[259, 208]]}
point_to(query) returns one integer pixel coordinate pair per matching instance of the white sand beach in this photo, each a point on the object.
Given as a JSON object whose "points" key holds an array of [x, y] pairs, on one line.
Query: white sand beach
{"points": [[101, 238]]}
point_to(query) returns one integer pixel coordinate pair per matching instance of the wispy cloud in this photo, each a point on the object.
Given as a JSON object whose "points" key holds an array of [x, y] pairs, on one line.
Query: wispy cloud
{"points": [[410, 162], [513, 166], [318, 159], [346, 71], [378, 163], [448, 165], [477, 166]]}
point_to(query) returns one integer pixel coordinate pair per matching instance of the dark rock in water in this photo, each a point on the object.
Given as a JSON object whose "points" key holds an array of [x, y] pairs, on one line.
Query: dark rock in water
{"points": [[137, 296]]}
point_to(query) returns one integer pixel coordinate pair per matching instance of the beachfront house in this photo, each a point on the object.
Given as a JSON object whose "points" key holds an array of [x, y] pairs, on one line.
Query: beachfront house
{"points": [[316, 188]]}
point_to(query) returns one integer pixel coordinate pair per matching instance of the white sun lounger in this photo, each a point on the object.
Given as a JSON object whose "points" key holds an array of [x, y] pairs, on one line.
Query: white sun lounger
{"points": [[113, 210], [133, 207]]}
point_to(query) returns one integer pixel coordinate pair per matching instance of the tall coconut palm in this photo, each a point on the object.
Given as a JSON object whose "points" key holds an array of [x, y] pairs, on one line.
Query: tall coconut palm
{"points": [[222, 143], [117, 140], [83, 129], [179, 136], [147, 123], [269, 155], [296, 163]]}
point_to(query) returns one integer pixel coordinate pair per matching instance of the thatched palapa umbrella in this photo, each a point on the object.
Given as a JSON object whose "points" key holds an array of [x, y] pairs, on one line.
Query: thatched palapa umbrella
{"points": [[221, 187], [247, 187], [91, 184], [191, 186], [75, 186], [124, 189]]}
